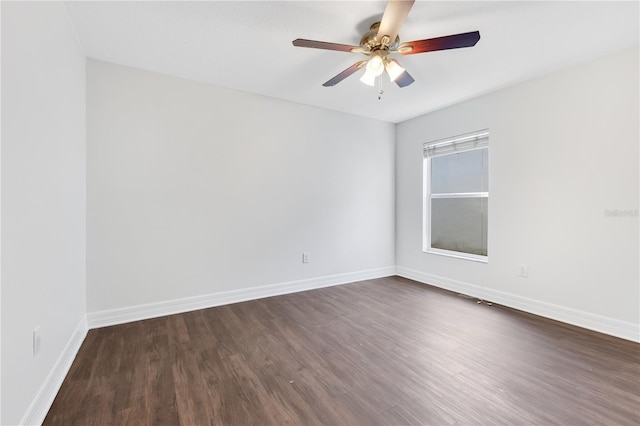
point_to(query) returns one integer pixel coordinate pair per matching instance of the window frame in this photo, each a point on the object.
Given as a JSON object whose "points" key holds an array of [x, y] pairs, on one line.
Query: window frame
{"points": [[470, 142]]}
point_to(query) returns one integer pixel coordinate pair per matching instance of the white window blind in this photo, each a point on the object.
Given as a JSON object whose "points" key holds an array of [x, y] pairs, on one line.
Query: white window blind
{"points": [[460, 143]]}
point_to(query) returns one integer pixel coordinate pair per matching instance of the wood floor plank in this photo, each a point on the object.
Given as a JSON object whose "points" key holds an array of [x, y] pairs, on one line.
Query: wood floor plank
{"points": [[379, 352]]}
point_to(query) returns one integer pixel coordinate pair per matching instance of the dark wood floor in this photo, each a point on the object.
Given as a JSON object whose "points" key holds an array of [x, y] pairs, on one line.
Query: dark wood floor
{"points": [[386, 351]]}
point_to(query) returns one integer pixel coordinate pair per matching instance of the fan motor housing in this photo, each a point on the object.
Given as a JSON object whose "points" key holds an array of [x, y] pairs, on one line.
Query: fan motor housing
{"points": [[370, 41]]}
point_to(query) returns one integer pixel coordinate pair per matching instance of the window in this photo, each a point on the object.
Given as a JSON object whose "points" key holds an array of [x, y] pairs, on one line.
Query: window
{"points": [[456, 201]]}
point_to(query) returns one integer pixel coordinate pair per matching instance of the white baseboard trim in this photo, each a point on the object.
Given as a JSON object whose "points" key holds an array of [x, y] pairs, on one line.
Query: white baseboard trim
{"points": [[440, 282], [152, 310], [602, 324], [41, 404]]}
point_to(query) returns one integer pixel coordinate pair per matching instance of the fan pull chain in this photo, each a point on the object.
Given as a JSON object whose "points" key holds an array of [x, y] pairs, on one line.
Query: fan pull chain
{"points": [[380, 91]]}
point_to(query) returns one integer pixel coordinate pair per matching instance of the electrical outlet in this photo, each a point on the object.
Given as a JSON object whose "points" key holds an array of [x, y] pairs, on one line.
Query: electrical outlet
{"points": [[37, 341], [523, 269], [305, 257]]}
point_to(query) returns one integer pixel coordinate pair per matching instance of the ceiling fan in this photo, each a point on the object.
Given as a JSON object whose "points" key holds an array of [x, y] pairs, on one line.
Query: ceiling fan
{"points": [[382, 40]]}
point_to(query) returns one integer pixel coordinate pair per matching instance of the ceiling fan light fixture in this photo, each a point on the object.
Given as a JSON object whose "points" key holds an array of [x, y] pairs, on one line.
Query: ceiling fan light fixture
{"points": [[375, 65], [368, 79], [394, 70]]}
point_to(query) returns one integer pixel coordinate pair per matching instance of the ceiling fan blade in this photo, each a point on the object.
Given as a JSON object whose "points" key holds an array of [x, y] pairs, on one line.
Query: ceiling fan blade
{"points": [[440, 43], [300, 42], [344, 74], [394, 15], [404, 79]]}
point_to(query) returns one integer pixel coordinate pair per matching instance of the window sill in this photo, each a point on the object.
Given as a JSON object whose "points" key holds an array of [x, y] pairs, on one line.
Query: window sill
{"points": [[471, 257]]}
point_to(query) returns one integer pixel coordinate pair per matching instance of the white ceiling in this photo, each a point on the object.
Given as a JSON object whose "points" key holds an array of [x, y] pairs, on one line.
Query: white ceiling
{"points": [[247, 45]]}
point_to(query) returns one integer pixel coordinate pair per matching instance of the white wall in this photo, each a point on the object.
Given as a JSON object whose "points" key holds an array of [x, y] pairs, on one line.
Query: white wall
{"points": [[43, 203], [199, 190], [564, 149]]}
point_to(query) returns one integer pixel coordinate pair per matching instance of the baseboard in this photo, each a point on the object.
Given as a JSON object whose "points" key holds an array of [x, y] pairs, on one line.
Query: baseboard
{"points": [[602, 324], [40, 405], [441, 282], [599, 323], [39, 408], [170, 307]]}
